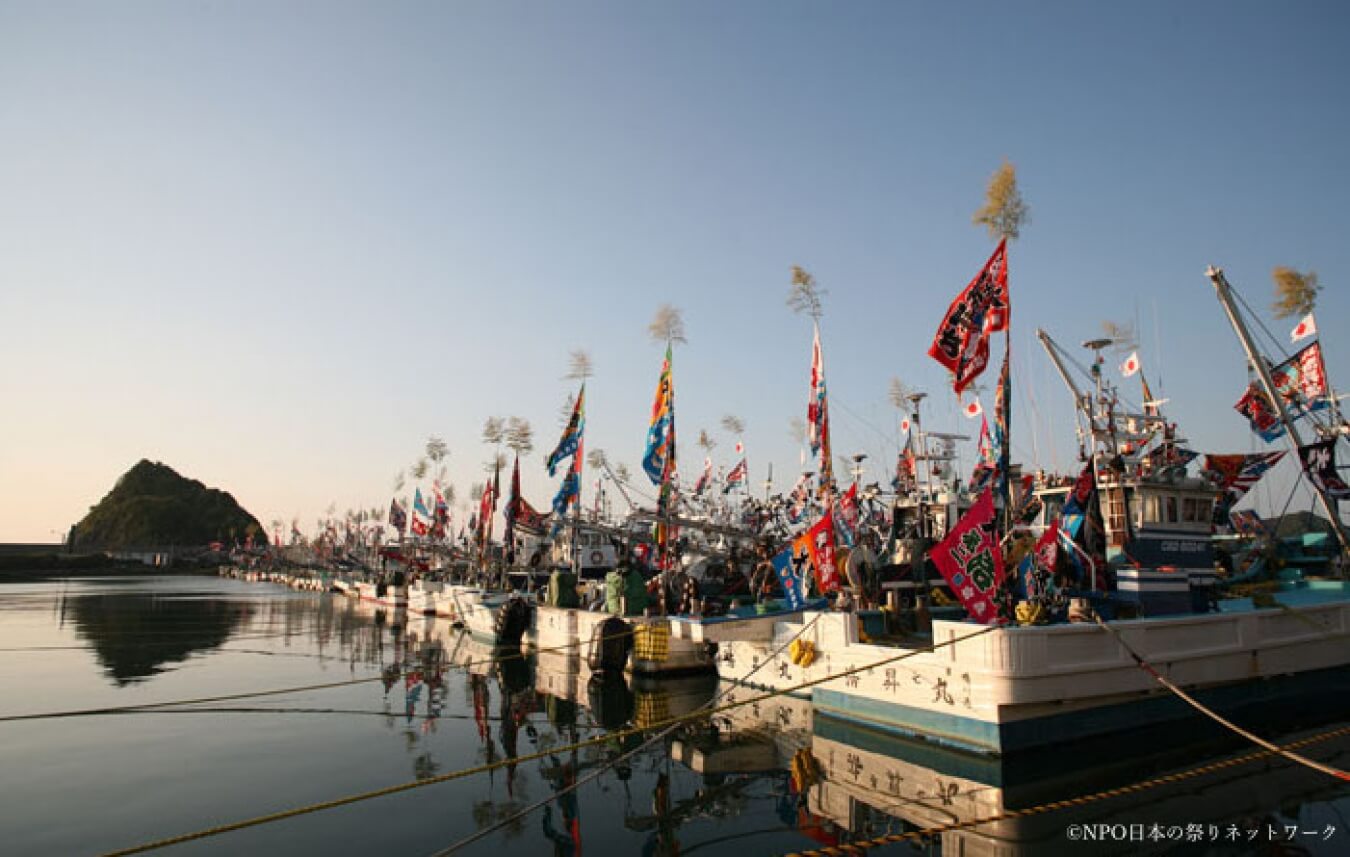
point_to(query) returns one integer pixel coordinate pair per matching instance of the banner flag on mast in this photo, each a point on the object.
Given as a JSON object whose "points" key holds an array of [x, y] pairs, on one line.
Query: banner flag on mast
{"points": [[971, 562], [659, 458], [1236, 475], [571, 436], [818, 413], [1319, 462], [962, 340], [736, 476]]}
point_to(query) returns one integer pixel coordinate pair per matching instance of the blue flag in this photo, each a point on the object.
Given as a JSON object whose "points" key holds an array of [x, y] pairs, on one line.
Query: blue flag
{"points": [[787, 575]]}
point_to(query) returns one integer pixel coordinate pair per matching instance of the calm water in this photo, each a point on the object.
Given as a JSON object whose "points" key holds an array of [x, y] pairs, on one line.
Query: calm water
{"points": [[431, 701]]}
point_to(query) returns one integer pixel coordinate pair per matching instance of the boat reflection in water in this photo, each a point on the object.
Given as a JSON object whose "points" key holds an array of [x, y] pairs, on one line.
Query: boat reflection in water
{"points": [[776, 768]]}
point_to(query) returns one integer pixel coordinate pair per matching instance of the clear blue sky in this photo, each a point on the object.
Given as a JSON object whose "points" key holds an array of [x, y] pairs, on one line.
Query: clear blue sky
{"points": [[277, 245]]}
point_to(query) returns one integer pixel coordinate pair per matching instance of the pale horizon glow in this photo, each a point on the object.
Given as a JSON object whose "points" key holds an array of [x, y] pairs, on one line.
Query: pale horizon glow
{"points": [[277, 246]]}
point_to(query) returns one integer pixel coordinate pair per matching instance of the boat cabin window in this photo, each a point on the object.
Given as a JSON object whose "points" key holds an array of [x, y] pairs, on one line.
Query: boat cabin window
{"points": [[1190, 509]]}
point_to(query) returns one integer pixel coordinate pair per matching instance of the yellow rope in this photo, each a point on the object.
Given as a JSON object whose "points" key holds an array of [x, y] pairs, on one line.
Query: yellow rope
{"points": [[530, 757], [863, 845], [1215, 716]]}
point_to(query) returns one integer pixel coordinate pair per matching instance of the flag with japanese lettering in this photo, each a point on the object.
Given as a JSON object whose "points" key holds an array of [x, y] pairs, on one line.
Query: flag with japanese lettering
{"points": [[818, 543], [1260, 413], [962, 340], [1319, 462], [971, 562], [1247, 523], [1301, 381], [791, 573]]}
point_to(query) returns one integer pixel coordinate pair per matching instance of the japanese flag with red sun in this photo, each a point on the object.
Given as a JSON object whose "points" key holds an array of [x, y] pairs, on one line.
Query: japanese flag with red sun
{"points": [[1305, 328], [1131, 365], [972, 408]]}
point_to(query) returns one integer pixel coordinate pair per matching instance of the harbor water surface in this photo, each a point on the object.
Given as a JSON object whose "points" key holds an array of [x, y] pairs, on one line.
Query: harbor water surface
{"points": [[375, 699]]}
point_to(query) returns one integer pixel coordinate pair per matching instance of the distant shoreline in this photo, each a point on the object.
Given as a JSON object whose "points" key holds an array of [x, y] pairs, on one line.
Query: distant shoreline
{"points": [[40, 566]]}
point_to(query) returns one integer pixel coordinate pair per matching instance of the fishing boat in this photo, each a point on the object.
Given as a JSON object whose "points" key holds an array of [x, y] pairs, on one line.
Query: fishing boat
{"points": [[1004, 689]]}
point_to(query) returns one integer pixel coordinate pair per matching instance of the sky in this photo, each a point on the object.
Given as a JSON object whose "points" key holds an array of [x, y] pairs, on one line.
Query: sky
{"points": [[277, 246]]}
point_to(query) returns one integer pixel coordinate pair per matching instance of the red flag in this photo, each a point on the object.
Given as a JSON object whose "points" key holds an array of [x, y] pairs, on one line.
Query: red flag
{"points": [[818, 544], [1047, 547], [962, 340], [971, 562]]}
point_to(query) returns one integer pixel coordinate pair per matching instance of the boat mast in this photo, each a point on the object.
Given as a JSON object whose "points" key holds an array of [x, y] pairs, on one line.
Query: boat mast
{"points": [[926, 527], [1257, 362]]}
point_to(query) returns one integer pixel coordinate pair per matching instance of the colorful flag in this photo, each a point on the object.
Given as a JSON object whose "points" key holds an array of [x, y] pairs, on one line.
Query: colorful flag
{"points": [[659, 458], [1151, 405], [1305, 328], [701, 485], [569, 492], [1235, 475], [420, 506], [1131, 365], [736, 476], [1256, 407], [1037, 569], [846, 516], [971, 562], [962, 340], [1301, 381], [512, 504], [986, 462], [792, 575], [418, 527], [442, 508], [906, 468], [818, 413], [1002, 421], [571, 436], [1319, 462], [398, 518], [818, 543]]}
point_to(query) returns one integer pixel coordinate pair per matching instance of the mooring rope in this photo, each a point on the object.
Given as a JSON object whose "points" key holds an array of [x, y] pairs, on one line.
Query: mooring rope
{"points": [[530, 757], [1215, 716], [863, 845]]}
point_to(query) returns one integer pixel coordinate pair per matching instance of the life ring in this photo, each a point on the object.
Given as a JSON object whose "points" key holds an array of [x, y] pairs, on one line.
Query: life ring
{"points": [[597, 558]]}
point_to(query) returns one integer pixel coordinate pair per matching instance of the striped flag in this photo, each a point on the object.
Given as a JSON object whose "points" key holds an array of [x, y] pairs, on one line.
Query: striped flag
{"points": [[570, 441], [1236, 474], [736, 476]]}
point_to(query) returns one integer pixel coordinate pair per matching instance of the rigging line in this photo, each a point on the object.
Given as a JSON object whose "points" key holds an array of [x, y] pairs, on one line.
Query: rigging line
{"points": [[1213, 715], [608, 737], [861, 846], [1251, 313], [659, 736]]}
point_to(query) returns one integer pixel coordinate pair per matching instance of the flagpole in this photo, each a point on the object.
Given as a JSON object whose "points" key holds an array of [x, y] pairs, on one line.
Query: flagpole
{"points": [[1257, 362]]}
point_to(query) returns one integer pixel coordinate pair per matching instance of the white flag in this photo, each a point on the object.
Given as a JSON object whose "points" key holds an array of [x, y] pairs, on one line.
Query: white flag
{"points": [[1131, 365], [1304, 329]]}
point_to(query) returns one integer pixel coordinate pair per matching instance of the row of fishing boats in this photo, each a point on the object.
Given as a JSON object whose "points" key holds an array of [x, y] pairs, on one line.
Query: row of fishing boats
{"points": [[1124, 615]]}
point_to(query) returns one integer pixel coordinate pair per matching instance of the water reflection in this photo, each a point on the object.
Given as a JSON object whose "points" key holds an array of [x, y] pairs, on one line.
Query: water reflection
{"points": [[769, 776], [135, 635]]}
